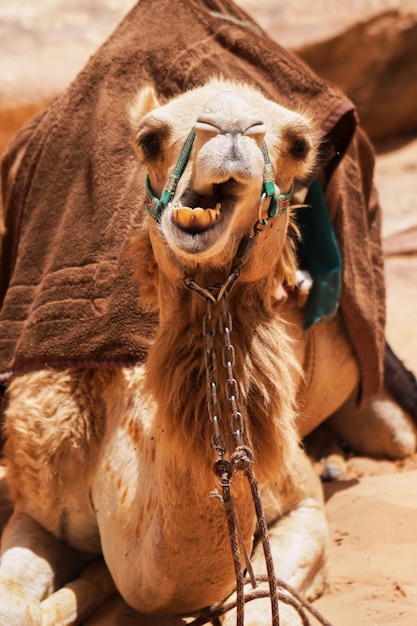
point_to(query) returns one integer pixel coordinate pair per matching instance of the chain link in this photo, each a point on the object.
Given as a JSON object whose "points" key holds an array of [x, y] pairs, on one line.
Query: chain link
{"points": [[231, 386], [213, 406]]}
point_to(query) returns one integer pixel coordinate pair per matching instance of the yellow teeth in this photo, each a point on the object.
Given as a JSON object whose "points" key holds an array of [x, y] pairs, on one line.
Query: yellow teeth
{"points": [[185, 216]]}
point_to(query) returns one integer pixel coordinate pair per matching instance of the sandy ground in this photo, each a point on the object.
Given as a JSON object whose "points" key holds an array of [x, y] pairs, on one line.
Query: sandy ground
{"points": [[372, 568], [372, 509]]}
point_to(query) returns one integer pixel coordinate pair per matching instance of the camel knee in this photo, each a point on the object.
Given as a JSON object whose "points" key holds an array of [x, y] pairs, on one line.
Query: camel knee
{"points": [[305, 529]]}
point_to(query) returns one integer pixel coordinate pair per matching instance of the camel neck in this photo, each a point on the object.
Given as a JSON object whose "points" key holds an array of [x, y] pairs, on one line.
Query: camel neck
{"points": [[176, 374]]}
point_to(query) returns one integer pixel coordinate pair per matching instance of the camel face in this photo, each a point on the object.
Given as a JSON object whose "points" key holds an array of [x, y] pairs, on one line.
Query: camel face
{"points": [[219, 195]]}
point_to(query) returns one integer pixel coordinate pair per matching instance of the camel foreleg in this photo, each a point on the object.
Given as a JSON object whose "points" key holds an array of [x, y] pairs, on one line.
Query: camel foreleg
{"points": [[33, 565], [77, 600]]}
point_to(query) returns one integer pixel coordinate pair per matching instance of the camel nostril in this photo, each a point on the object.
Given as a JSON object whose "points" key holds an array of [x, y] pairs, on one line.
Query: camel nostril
{"points": [[206, 127], [256, 130], [226, 188]]}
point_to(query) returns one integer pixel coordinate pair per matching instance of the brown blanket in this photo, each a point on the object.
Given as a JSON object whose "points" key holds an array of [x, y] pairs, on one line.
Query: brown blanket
{"points": [[73, 190]]}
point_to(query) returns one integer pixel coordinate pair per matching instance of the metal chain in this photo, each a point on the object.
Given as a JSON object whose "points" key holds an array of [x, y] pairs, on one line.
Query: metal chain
{"points": [[213, 406], [237, 426], [213, 297], [232, 388]]}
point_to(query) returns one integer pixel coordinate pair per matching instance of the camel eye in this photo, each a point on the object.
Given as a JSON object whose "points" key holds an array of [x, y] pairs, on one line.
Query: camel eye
{"points": [[299, 149], [151, 145]]}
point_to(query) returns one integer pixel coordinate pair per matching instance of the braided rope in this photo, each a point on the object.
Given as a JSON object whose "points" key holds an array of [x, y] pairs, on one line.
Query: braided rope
{"points": [[286, 594], [279, 591], [242, 460], [224, 470]]}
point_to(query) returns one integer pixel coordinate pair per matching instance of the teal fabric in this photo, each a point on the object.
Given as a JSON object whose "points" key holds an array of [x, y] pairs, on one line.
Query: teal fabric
{"points": [[319, 254]]}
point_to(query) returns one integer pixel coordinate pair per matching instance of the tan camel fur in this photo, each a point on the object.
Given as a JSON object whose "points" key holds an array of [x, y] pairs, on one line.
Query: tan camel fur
{"points": [[119, 462]]}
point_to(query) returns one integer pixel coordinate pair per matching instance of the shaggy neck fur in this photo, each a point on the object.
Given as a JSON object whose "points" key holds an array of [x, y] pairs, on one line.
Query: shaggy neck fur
{"points": [[265, 369]]}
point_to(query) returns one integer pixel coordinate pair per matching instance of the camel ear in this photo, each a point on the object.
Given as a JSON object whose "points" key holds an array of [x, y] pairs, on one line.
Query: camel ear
{"points": [[145, 102]]}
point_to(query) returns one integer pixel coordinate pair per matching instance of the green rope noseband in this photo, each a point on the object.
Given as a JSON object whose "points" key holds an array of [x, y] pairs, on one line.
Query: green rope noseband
{"points": [[279, 201], [155, 206]]}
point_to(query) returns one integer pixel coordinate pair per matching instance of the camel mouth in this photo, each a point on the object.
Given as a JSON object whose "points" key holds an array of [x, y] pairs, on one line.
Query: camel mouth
{"points": [[195, 213]]}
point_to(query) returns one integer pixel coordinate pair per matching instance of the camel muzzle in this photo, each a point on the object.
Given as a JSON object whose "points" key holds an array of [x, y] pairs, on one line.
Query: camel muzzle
{"points": [[155, 206]]}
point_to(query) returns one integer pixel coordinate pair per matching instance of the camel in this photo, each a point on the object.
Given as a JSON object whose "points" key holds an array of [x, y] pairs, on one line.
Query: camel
{"points": [[119, 461]]}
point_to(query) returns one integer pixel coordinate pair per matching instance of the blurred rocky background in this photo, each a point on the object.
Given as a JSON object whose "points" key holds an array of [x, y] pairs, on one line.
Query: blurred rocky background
{"points": [[366, 47]]}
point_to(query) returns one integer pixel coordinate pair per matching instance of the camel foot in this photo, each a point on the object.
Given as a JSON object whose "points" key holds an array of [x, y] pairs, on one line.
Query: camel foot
{"points": [[17, 608]]}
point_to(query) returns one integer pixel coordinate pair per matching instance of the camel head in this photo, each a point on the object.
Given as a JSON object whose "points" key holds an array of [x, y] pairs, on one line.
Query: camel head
{"points": [[213, 155]]}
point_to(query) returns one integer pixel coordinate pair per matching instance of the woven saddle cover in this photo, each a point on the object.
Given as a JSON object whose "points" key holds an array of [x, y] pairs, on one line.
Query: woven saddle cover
{"points": [[73, 191]]}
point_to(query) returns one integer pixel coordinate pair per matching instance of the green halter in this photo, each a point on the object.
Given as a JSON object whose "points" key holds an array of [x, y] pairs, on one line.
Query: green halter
{"points": [[155, 206], [279, 201]]}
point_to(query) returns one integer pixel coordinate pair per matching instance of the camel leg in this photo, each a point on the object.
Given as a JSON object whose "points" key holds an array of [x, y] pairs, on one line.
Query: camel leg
{"points": [[33, 564], [298, 543], [382, 428], [77, 600]]}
